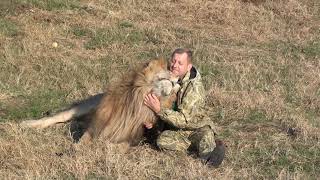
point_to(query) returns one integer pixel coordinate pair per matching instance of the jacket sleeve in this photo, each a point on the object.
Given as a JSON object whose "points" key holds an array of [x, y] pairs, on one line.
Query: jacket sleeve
{"points": [[183, 117]]}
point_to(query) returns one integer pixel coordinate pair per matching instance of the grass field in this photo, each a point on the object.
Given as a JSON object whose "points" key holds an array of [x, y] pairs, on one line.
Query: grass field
{"points": [[260, 62]]}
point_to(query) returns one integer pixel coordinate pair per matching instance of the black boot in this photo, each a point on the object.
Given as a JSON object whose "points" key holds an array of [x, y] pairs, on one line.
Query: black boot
{"points": [[215, 157]]}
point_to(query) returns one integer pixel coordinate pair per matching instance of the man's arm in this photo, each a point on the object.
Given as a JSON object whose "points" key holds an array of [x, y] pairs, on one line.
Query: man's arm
{"points": [[183, 117]]}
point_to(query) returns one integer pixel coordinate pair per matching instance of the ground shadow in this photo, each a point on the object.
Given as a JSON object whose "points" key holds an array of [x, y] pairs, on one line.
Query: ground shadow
{"points": [[80, 124]]}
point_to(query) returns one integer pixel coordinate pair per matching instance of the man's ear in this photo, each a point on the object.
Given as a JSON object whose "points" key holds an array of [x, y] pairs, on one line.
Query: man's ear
{"points": [[189, 67]]}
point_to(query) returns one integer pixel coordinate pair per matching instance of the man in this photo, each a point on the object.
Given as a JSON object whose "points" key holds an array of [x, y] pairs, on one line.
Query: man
{"points": [[190, 130]]}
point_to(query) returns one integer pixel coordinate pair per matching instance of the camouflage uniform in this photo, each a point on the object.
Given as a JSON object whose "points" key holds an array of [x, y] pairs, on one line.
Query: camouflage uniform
{"points": [[192, 130]]}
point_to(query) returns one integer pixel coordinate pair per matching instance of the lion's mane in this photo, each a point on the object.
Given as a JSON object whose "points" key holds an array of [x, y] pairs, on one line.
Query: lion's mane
{"points": [[121, 114]]}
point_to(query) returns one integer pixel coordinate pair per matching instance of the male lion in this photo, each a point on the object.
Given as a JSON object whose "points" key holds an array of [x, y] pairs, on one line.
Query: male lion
{"points": [[119, 115]]}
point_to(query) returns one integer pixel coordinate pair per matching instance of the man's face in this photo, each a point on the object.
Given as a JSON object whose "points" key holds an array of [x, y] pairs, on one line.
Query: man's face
{"points": [[179, 65]]}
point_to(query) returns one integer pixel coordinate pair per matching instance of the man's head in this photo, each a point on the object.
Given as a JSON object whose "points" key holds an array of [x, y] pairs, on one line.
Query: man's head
{"points": [[180, 62]]}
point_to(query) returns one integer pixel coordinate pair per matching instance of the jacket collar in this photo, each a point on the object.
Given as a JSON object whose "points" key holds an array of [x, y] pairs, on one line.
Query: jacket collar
{"points": [[193, 73]]}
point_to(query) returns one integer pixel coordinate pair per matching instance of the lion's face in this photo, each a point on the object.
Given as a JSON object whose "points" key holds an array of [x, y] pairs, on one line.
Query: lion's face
{"points": [[160, 77], [165, 87]]}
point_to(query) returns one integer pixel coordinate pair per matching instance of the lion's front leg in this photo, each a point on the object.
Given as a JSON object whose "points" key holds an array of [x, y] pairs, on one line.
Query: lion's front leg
{"points": [[86, 138]]}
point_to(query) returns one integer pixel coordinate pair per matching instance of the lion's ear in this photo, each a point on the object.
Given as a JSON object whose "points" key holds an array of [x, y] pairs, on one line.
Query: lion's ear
{"points": [[163, 62], [145, 65]]}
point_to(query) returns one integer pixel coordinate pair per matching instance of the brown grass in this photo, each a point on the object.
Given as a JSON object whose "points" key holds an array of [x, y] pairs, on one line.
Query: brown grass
{"points": [[259, 61]]}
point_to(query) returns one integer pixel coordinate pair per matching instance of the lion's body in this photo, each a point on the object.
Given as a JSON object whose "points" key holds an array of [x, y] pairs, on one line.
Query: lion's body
{"points": [[120, 114]]}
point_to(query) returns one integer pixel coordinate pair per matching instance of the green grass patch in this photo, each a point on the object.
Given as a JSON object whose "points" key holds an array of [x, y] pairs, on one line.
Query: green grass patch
{"points": [[209, 73], [312, 49], [126, 24], [182, 33], [96, 176], [99, 39], [79, 31], [318, 92], [52, 4], [67, 175], [124, 33], [291, 96], [7, 7], [104, 37], [135, 36], [225, 134], [270, 159], [313, 116], [209, 70], [308, 156], [256, 116], [153, 37], [292, 50], [148, 55], [8, 27], [36, 105], [145, 55]]}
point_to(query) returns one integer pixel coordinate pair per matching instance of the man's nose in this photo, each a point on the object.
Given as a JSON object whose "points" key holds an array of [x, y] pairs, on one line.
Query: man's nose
{"points": [[174, 64]]}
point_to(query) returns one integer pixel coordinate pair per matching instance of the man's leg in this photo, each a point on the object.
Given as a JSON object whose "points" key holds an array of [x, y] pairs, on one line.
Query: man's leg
{"points": [[210, 150], [174, 140], [202, 141]]}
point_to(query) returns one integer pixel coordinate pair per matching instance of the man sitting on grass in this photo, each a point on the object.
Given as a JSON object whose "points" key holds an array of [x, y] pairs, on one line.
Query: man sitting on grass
{"points": [[189, 129]]}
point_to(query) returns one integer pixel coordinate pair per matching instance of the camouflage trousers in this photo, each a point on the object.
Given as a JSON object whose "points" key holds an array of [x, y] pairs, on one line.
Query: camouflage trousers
{"points": [[200, 141]]}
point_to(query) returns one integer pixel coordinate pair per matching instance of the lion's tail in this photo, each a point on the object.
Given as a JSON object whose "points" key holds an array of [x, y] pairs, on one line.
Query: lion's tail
{"points": [[77, 110]]}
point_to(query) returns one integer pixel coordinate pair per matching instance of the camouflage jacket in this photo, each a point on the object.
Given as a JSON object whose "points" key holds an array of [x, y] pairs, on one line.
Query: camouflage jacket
{"points": [[189, 113]]}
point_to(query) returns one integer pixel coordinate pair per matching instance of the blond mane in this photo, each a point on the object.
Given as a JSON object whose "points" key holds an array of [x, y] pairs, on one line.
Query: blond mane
{"points": [[121, 114]]}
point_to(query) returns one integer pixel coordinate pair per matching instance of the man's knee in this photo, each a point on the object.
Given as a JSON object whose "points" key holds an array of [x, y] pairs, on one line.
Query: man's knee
{"points": [[172, 140], [165, 138], [203, 140]]}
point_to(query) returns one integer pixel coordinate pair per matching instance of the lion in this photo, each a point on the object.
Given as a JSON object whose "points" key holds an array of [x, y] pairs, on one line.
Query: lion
{"points": [[119, 114]]}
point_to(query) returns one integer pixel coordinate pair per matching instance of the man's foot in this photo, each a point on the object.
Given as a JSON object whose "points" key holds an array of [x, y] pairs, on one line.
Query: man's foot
{"points": [[216, 157]]}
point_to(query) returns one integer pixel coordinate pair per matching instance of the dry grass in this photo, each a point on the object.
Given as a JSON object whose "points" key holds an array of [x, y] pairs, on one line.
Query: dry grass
{"points": [[259, 60]]}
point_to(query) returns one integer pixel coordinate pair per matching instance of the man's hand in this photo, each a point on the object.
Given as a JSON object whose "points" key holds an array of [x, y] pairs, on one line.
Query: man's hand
{"points": [[153, 102], [148, 125]]}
